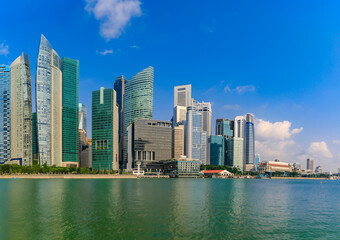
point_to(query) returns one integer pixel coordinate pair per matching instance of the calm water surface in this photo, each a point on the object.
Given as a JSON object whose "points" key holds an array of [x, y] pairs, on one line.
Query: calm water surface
{"points": [[169, 208]]}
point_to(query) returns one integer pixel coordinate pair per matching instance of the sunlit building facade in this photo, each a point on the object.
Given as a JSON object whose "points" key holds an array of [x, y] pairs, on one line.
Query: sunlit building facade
{"points": [[249, 140], [82, 109], [235, 152]]}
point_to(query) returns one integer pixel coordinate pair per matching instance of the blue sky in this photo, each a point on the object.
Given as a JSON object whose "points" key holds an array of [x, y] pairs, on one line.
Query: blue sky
{"points": [[277, 59]]}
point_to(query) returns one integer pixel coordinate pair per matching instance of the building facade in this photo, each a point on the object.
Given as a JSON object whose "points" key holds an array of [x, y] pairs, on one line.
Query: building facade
{"points": [[178, 141], [82, 109], [5, 110], [182, 168], [249, 140], [225, 127], [138, 102], [217, 150], [239, 125], [274, 166], [105, 130], [70, 114], [49, 104], [35, 150], [310, 164], [182, 95], [21, 110], [235, 152]]}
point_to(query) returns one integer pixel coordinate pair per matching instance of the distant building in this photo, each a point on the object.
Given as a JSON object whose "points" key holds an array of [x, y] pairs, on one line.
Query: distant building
{"points": [[179, 116], [249, 140], [318, 169], [178, 141], [104, 130], [149, 141], [217, 173], [35, 150], [297, 166], [225, 127], [205, 109], [182, 96], [274, 166], [217, 150], [183, 167], [21, 110], [86, 155], [310, 164], [239, 125], [235, 152], [5, 111], [257, 161]]}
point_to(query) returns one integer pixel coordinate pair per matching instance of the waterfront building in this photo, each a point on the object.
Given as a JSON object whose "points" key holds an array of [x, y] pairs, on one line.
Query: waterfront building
{"points": [[5, 110], [178, 141], [82, 109], [21, 110], [149, 141], [217, 150], [257, 161], [249, 139], [70, 114], [310, 164], [274, 166], [35, 150], [297, 166], [225, 127], [49, 104], [105, 130], [182, 167], [195, 137], [119, 87], [138, 102], [235, 152], [205, 109]]}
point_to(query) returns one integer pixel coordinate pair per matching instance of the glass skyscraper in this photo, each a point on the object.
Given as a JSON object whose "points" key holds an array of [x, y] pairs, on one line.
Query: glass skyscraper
{"points": [[235, 152], [49, 104], [138, 101], [225, 127], [21, 110], [82, 117], [249, 138], [217, 150], [5, 120], [104, 130], [70, 96]]}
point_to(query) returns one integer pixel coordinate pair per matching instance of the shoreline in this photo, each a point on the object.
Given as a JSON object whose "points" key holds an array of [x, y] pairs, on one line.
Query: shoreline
{"points": [[299, 178], [66, 176]]}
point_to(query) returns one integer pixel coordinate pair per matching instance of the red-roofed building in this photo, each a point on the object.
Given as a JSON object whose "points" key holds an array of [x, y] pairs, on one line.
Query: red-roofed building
{"points": [[214, 173]]}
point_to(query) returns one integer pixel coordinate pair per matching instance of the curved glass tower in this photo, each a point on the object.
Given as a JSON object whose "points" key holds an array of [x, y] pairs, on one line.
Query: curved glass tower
{"points": [[249, 140], [49, 104], [21, 110], [138, 101]]}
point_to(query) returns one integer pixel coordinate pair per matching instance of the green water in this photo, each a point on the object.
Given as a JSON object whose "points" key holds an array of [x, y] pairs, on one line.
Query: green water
{"points": [[169, 209]]}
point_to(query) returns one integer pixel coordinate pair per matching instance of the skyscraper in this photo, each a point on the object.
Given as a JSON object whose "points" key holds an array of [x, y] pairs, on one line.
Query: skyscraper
{"points": [[182, 95], [310, 164], [178, 141], [49, 104], [104, 129], [21, 110], [35, 150], [235, 152], [119, 87], [82, 109], [249, 140], [225, 127], [5, 109], [217, 150], [239, 127], [138, 102], [70, 96], [205, 109]]}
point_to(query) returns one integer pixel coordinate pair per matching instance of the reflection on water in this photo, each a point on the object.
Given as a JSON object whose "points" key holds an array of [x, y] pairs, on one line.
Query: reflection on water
{"points": [[169, 208]]}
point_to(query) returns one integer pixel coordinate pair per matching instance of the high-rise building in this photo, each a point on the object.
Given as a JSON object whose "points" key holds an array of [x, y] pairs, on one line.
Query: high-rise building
{"points": [[5, 110], [150, 141], [49, 104], [104, 130], [196, 138], [205, 109], [119, 87], [82, 109], [257, 161], [178, 141], [182, 95], [21, 110], [235, 152], [318, 169], [217, 150], [225, 127], [138, 102], [239, 127], [249, 140], [310, 164], [85, 150], [180, 115], [70, 115], [35, 150]]}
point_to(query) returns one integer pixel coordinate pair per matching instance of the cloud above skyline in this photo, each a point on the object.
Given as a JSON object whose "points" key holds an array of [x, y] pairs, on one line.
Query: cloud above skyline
{"points": [[240, 89], [319, 150], [4, 49], [114, 15], [105, 52]]}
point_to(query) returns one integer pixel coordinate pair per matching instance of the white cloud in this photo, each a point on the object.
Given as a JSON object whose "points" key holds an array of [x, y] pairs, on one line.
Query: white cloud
{"points": [[105, 52], [275, 131], [114, 15], [4, 49], [233, 107], [319, 150], [240, 89]]}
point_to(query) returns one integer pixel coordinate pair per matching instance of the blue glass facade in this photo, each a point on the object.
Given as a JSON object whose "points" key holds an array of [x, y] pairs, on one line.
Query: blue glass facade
{"points": [[257, 161], [249, 140], [217, 150], [225, 127], [5, 120]]}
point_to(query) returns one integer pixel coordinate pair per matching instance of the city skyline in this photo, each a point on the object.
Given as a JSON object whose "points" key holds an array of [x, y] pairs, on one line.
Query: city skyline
{"points": [[286, 103]]}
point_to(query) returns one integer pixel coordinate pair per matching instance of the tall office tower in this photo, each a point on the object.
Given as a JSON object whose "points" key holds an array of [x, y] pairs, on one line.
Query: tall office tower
{"points": [[310, 164], [225, 127], [49, 104], [196, 138], [82, 145], [182, 100], [257, 161], [178, 141], [5, 108], [70, 115], [249, 140], [205, 109], [239, 127], [104, 130], [235, 152], [217, 150], [21, 110], [138, 102], [119, 87], [180, 116], [35, 151], [82, 109]]}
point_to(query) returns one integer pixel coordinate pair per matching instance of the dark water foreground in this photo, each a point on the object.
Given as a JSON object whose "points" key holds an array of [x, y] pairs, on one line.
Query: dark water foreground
{"points": [[169, 209]]}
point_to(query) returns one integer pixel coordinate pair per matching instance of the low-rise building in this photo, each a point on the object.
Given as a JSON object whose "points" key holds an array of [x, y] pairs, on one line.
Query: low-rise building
{"points": [[183, 167], [217, 173], [274, 166]]}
